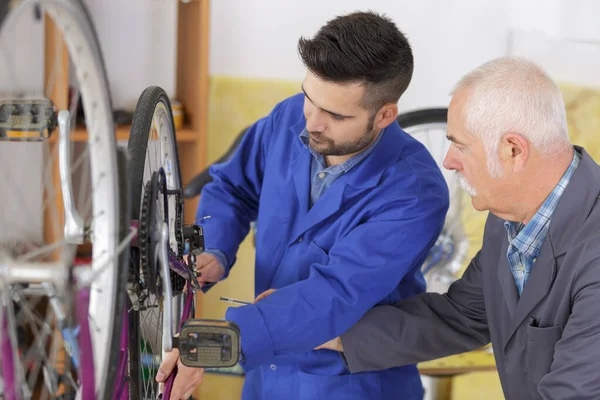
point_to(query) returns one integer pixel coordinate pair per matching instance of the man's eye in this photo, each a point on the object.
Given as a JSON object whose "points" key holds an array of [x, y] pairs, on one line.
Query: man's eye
{"points": [[337, 117], [458, 147]]}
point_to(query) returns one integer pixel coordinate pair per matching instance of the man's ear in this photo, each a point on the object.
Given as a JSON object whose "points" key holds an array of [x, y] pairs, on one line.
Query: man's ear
{"points": [[386, 115], [515, 150]]}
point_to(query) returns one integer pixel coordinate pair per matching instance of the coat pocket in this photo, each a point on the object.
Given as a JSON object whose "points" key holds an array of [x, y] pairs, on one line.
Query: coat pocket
{"points": [[362, 386], [316, 254], [540, 351]]}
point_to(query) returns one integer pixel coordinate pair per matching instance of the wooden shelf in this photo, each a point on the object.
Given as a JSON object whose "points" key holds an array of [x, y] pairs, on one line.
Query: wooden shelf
{"points": [[184, 135]]}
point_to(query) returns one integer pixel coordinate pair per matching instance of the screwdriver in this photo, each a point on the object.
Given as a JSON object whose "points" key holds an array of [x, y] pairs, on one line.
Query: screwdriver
{"points": [[235, 301]]}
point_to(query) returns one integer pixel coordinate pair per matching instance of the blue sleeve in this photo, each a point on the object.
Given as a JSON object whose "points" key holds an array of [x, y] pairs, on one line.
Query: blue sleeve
{"points": [[222, 259], [231, 199], [363, 267]]}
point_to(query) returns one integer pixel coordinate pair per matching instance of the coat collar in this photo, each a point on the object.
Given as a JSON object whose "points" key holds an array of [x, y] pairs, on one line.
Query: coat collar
{"points": [[372, 167], [364, 176]]}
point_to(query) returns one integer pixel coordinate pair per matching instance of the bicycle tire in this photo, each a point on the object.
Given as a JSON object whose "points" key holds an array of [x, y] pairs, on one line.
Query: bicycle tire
{"points": [[115, 355], [436, 119], [422, 117], [137, 146]]}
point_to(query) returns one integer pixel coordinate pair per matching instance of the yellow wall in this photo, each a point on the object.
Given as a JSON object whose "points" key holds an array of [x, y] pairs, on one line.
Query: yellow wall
{"points": [[235, 103]]}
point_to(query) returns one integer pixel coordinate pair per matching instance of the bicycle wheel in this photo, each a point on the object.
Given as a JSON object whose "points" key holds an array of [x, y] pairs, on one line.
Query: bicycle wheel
{"points": [[156, 198], [37, 245], [452, 249]]}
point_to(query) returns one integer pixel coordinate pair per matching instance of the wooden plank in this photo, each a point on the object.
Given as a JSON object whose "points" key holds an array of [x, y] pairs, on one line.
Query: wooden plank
{"points": [[192, 89], [56, 88], [192, 62], [184, 135]]}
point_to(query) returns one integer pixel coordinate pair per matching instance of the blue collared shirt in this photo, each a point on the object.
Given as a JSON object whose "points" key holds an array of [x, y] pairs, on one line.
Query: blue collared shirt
{"points": [[525, 241], [322, 176]]}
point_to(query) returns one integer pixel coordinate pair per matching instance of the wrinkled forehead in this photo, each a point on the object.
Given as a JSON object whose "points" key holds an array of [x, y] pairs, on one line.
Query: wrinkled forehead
{"points": [[456, 116]]}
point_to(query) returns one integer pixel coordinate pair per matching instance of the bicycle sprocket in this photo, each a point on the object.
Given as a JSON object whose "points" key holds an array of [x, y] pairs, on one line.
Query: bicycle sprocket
{"points": [[150, 217]]}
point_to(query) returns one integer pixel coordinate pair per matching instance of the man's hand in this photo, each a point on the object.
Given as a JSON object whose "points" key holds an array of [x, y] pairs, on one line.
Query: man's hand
{"points": [[264, 294], [333, 344], [187, 379], [210, 268]]}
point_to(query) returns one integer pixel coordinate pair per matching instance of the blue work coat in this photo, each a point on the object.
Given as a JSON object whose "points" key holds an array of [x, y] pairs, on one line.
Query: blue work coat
{"points": [[361, 244]]}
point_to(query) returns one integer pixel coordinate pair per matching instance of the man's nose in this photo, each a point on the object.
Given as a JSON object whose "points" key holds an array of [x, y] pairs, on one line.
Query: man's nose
{"points": [[451, 161], [315, 122]]}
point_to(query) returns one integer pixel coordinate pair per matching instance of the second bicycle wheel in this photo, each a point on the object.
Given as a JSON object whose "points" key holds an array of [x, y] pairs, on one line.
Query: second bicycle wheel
{"points": [[61, 212], [156, 198], [451, 251]]}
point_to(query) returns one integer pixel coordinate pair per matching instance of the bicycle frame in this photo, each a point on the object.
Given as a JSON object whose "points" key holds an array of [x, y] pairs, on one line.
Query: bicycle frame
{"points": [[84, 341], [121, 389]]}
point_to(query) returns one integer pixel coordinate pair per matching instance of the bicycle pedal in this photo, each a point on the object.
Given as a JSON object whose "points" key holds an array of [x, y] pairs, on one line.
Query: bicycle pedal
{"points": [[27, 120], [205, 343]]}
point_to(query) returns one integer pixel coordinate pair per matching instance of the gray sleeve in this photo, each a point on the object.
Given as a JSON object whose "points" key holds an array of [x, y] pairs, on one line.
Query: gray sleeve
{"points": [[421, 328]]}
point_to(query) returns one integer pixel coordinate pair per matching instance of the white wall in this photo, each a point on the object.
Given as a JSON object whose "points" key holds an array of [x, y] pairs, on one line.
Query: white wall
{"points": [[139, 42], [21, 51], [138, 39], [563, 36], [259, 38]]}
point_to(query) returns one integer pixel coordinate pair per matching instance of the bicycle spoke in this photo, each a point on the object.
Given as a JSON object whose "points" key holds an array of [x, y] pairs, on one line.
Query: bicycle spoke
{"points": [[13, 340]]}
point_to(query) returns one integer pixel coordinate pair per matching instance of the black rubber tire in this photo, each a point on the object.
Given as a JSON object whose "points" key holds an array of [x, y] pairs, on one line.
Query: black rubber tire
{"points": [[138, 142], [194, 187], [137, 147], [421, 117], [120, 304], [4, 10]]}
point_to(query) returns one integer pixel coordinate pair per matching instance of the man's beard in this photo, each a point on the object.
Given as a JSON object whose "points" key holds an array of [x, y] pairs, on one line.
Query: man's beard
{"points": [[326, 147], [462, 181]]}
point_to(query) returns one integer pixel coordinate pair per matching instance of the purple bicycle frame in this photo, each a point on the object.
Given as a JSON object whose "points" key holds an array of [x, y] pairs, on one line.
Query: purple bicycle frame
{"points": [[85, 342], [187, 308], [8, 366], [121, 382]]}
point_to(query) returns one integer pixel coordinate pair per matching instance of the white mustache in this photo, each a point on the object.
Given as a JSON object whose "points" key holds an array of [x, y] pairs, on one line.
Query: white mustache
{"points": [[462, 181]]}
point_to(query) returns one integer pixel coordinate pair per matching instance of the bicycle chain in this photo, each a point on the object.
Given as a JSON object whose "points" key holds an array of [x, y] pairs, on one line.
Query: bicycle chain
{"points": [[144, 234], [177, 281]]}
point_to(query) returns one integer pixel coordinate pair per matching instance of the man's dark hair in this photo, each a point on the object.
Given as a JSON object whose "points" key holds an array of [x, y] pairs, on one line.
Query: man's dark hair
{"points": [[361, 47]]}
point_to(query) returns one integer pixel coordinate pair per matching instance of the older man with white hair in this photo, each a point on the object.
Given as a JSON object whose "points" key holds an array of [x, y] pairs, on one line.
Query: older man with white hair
{"points": [[533, 289]]}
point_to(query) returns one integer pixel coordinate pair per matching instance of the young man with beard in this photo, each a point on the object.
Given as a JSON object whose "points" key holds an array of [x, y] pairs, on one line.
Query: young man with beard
{"points": [[347, 206], [534, 287]]}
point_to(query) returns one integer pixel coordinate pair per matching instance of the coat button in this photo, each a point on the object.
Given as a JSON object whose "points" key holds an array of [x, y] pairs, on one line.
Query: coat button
{"points": [[273, 367], [300, 239]]}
